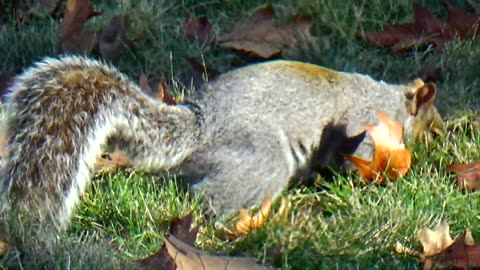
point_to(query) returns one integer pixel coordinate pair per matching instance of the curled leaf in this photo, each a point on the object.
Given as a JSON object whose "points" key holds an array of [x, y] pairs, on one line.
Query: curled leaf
{"points": [[247, 222], [390, 156], [468, 175]]}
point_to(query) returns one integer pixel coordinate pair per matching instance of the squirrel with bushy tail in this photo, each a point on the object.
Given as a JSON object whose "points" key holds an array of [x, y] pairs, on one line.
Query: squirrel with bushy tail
{"points": [[250, 132]]}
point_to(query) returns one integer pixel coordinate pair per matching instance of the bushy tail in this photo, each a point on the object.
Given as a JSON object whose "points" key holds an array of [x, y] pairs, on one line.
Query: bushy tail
{"points": [[62, 112]]}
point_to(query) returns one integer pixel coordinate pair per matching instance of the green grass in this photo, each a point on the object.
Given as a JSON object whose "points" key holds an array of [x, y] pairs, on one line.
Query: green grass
{"points": [[343, 225]]}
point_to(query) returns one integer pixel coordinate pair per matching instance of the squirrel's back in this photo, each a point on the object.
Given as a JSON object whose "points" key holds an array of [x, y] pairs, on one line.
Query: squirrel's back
{"points": [[293, 95]]}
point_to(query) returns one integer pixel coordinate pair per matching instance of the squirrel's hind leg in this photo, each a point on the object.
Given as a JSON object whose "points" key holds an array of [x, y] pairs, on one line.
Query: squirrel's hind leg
{"points": [[238, 176]]}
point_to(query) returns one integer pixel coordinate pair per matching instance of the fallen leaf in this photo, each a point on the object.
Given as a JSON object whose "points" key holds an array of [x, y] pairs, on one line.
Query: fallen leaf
{"points": [[364, 167], [182, 229], [77, 13], [113, 39], [387, 133], [161, 260], [461, 24], [426, 29], [453, 256], [390, 156], [189, 258], [163, 93], [261, 36], [461, 254], [423, 30], [468, 175], [434, 241], [200, 29], [83, 43], [247, 223], [179, 228], [74, 39], [441, 252]]}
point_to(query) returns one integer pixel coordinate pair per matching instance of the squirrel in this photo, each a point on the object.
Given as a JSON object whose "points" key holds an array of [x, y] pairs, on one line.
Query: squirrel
{"points": [[248, 133]]}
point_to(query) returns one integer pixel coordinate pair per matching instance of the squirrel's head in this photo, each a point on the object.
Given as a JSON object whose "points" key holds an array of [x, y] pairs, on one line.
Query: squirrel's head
{"points": [[423, 119]]}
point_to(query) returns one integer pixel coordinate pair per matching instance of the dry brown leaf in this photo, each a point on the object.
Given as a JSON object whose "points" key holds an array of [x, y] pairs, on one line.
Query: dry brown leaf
{"points": [[426, 29], [74, 39], [441, 252], [462, 254], [460, 23], [83, 42], [189, 258], [163, 93], [434, 241], [468, 175], [261, 36], [198, 29], [179, 228], [182, 229], [247, 223], [113, 39], [79, 12], [390, 156]]}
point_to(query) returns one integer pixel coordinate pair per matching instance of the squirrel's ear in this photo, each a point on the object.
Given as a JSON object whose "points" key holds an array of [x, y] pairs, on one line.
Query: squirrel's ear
{"points": [[423, 97]]}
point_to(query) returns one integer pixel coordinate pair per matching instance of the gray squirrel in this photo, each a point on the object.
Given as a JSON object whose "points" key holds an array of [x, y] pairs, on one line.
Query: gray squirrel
{"points": [[248, 133]]}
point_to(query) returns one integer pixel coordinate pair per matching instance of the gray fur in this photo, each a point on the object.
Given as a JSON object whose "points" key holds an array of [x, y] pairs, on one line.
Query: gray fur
{"points": [[247, 134]]}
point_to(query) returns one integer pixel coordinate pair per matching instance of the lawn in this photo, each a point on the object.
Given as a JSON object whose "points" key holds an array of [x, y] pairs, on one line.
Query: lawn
{"points": [[341, 222]]}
